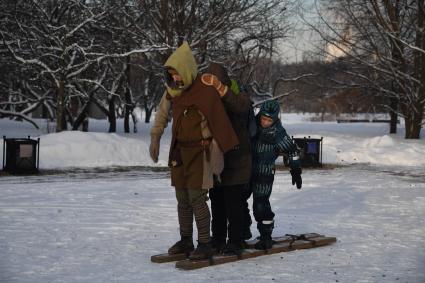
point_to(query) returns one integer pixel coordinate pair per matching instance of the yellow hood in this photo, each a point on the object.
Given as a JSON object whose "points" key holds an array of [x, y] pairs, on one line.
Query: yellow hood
{"points": [[183, 61]]}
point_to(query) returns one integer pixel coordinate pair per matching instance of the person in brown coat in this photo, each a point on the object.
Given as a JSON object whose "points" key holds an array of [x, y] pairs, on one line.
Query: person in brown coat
{"points": [[227, 201], [201, 131]]}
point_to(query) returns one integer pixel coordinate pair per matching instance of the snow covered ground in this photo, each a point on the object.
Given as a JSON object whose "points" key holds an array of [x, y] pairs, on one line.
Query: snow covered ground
{"points": [[102, 225]]}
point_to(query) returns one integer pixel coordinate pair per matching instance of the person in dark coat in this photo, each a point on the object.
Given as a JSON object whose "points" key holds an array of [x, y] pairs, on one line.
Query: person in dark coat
{"points": [[227, 202]]}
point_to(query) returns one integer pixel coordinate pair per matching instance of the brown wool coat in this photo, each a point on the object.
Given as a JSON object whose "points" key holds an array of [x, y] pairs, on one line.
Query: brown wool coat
{"points": [[198, 113], [189, 173], [189, 109], [206, 99]]}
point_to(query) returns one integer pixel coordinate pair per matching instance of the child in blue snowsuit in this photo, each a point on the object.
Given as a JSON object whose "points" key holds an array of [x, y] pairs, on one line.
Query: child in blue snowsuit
{"points": [[270, 140]]}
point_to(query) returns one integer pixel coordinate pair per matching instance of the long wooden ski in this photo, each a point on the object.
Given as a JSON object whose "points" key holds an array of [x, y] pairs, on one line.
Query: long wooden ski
{"points": [[286, 244]]}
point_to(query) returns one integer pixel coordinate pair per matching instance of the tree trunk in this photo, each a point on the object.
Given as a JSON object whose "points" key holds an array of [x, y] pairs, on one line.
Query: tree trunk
{"points": [[126, 121], [81, 118], [112, 116], [393, 115], [413, 128], [45, 112], [414, 114], [134, 118], [86, 124], [148, 115], [397, 51], [127, 110], [65, 118], [413, 122], [60, 106], [74, 107]]}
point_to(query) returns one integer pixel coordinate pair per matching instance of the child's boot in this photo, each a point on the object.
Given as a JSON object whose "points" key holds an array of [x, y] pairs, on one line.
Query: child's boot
{"points": [[265, 228]]}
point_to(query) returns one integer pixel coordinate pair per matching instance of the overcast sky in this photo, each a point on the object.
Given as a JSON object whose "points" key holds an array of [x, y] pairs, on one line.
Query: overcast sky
{"points": [[302, 39]]}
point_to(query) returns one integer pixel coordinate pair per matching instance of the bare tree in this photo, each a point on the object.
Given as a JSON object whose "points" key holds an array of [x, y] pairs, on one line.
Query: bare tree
{"points": [[63, 44], [239, 34], [68, 55], [387, 38]]}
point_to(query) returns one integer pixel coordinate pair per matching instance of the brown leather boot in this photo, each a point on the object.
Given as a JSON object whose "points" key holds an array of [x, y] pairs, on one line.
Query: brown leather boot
{"points": [[185, 245]]}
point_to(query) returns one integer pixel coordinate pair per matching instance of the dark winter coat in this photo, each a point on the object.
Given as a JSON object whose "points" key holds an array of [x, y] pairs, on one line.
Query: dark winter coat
{"points": [[266, 146], [238, 161]]}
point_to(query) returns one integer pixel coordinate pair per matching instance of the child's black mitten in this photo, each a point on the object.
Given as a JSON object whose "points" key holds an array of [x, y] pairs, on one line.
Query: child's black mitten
{"points": [[296, 177]]}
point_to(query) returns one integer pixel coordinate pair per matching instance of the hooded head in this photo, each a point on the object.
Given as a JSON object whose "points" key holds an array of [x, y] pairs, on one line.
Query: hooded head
{"points": [[183, 62], [220, 72], [270, 109]]}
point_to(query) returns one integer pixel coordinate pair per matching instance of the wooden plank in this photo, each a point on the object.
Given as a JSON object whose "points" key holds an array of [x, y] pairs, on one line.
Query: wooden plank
{"points": [[161, 258], [285, 246], [285, 238], [165, 257]]}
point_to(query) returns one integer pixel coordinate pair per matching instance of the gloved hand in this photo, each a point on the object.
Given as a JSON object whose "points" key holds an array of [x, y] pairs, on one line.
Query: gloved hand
{"points": [[210, 79], [154, 148], [296, 177]]}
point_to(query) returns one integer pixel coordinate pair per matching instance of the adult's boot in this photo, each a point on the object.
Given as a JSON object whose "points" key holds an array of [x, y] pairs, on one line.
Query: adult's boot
{"points": [[185, 245], [232, 249], [218, 245], [202, 251], [265, 228]]}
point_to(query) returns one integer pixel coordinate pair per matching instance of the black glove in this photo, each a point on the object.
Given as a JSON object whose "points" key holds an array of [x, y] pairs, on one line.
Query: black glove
{"points": [[296, 177]]}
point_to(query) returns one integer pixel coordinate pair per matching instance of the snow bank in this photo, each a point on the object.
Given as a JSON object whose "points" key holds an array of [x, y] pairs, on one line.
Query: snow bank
{"points": [[79, 149], [342, 144], [383, 150]]}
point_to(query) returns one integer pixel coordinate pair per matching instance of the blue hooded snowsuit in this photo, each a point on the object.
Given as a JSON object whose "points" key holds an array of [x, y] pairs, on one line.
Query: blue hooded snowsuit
{"points": [[267, 144]]}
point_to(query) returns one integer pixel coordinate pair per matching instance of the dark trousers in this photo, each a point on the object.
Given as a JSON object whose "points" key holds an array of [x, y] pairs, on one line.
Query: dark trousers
{"points": [[261, 201], [227, 212], [246, 194]]}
